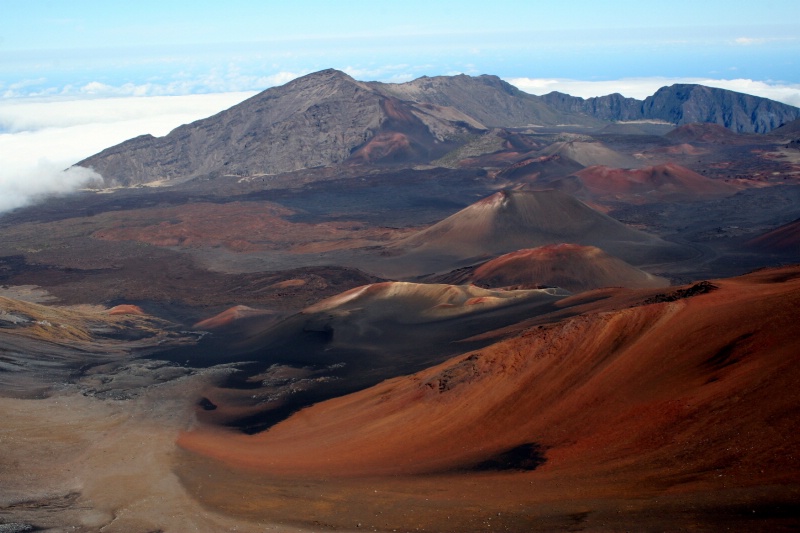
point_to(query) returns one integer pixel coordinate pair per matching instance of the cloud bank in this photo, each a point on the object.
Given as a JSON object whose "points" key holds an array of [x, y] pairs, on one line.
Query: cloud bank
{"points": [[40, 139]]}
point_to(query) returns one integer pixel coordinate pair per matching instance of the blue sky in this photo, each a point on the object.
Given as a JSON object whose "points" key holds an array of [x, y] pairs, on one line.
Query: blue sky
{"points": [[77, 76], [181, 47]]}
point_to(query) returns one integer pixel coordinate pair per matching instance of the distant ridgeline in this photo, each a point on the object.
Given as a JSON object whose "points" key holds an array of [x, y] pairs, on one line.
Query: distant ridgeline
{"points": [[684, 104], [328, 117]]}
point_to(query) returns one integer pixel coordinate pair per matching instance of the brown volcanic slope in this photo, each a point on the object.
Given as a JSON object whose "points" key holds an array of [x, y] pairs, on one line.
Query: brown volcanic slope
{"points": [[590, 153], [572, 267], [671, 414], [668, 182], [785, 239], [513, 220]]}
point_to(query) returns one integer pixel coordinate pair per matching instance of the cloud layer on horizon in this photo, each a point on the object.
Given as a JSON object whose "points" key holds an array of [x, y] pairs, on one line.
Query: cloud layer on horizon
{"points": [[42, 138]]}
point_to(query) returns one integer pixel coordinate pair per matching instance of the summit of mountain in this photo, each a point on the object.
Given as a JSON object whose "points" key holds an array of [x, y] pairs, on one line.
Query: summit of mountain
{"points": [[487, 98], [512, 220], [316, 120]]}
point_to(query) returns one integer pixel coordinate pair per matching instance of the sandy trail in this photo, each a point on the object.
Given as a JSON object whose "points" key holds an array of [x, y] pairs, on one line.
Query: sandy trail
{"points": [[77, 463]]}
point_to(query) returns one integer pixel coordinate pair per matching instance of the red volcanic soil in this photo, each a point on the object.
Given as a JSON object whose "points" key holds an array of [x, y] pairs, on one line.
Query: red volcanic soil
{"points": [[687, 399], [784, 239], [704, 133], [229, 316], [237, 226], [569, 266], [656, 183], [126, 309], [386, 146]]}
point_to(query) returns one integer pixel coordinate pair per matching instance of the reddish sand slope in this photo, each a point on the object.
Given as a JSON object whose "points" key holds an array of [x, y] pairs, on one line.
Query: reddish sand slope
{"points": [[693, 394], [785, 239], [569, 266], [669, 182]]}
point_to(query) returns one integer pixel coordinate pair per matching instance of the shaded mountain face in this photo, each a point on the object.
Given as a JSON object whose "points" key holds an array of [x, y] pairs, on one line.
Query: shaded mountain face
{"points": [[328, 118], [684, 104], [315, 120]]}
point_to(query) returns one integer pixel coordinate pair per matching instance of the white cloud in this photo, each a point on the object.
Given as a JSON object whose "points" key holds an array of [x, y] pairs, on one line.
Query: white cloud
{"points": [[641, 88], [216, 81], [156, 115], [749, 41], [42, 137], [23, 186]]}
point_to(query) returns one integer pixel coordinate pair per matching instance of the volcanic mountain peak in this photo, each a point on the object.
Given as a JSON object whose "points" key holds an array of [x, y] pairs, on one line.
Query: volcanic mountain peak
{"points": [[320, 119], [506, 213], [513, 220]]}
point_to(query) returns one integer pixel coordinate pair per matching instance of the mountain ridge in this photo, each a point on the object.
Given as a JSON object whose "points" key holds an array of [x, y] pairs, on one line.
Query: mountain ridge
{"points": [[328, 118], [684, 104]]}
